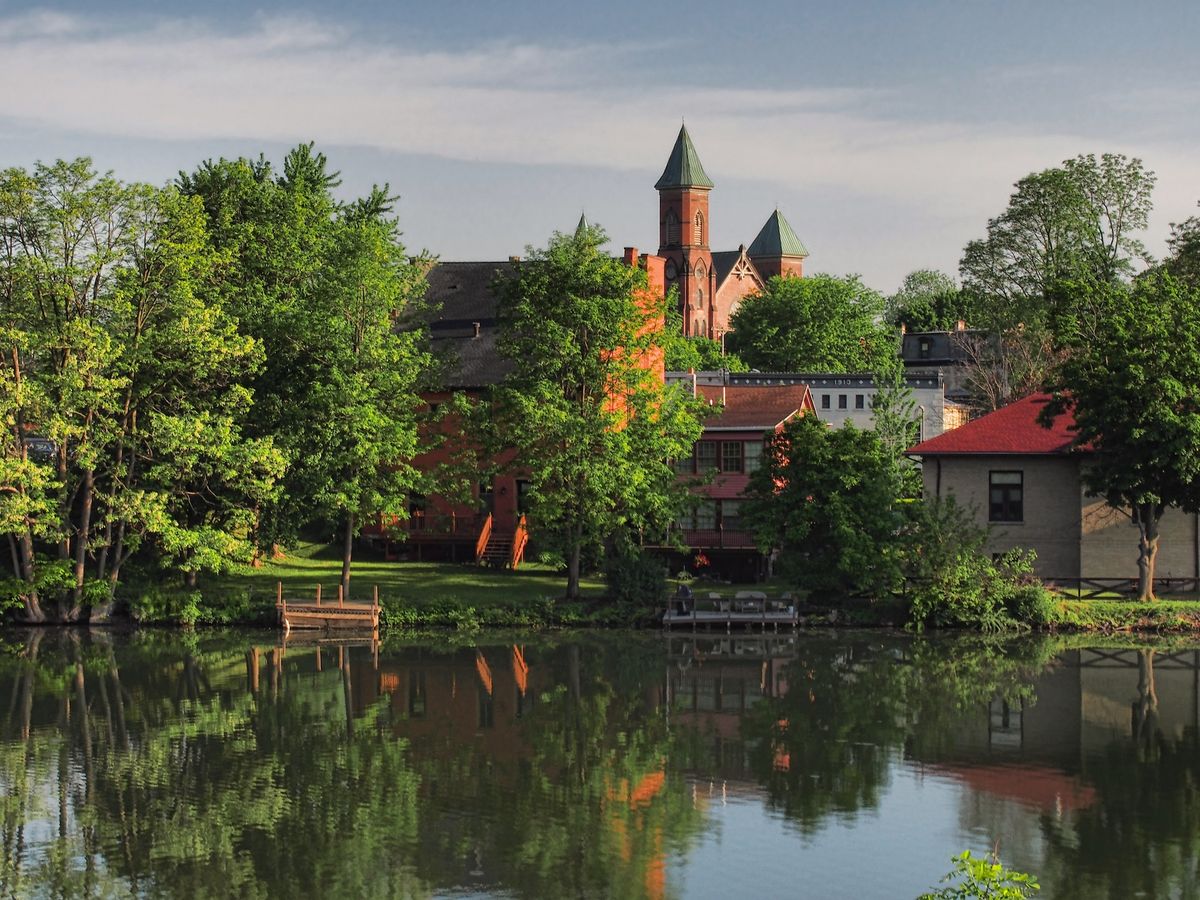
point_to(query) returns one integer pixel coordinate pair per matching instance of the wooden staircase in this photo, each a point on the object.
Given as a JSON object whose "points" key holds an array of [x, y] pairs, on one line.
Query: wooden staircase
{"points": [[499, 547]]}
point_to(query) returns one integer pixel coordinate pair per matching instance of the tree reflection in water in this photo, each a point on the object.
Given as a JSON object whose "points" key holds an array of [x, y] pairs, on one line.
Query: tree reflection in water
{"points": [[212, 765]]}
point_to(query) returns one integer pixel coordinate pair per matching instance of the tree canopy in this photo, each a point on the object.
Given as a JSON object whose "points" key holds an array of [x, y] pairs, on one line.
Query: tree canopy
{"points": [[819, 323], [1133, 386], [927, 300], [592, 423]]}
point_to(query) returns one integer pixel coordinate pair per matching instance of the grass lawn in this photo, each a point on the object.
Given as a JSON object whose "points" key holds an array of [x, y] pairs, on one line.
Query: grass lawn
{"points": [[412, 583]]}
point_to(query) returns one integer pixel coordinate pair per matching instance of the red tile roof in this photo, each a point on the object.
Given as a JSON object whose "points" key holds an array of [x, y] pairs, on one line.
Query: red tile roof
{"points": [[751, 406], [1013, 429]]}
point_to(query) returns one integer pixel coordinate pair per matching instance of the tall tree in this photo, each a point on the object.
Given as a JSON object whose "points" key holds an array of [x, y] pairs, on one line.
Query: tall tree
{"points": [[1184, 244], [816, 324], [585, 407], [322, 285], [128, 378], [830, 501], [927, 300], [1133, 386]]}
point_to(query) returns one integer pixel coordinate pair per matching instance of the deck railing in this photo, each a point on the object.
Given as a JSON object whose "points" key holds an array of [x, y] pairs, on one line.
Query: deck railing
{"points": [[720, 537], [520, 539], [485, 535]]}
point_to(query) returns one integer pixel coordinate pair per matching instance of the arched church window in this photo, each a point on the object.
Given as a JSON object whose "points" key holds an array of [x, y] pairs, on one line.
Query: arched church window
{"points": [[699, 298], [699, 228], [698, 329], [670, 228]]}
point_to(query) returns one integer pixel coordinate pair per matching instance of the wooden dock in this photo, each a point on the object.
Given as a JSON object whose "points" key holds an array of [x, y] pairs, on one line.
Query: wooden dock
{"points": [[327, 616], [747, 612]]}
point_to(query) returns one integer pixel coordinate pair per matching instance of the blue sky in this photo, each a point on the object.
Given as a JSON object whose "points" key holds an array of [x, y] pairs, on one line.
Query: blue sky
{"points": [[887, 132]]}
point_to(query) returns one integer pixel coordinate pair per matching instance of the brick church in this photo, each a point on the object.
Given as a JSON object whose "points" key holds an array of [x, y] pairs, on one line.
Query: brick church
{"points": [[711, 284]]}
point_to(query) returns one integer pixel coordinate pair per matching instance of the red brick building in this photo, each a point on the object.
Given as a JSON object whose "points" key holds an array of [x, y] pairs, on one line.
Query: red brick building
{"points": [[712, 284]]}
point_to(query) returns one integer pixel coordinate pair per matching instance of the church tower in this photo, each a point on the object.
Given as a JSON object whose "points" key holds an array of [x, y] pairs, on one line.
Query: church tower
{"points": [[683, 235], [777, 250]]}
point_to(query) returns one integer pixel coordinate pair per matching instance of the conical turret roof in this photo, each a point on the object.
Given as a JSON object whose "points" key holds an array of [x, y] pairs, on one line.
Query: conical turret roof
{"points": [[683, 167], [582, 228], [776, 238]]}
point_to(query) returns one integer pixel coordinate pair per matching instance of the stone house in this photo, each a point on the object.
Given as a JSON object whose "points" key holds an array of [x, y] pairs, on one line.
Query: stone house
{"points": [[1024, 482]]}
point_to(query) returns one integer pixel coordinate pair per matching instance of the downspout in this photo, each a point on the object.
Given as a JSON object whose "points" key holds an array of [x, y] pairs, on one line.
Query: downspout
{"points": [[938, 490]]}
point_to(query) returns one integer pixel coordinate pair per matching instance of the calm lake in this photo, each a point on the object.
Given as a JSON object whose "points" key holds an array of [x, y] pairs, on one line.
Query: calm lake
{"points": [[825, 765]]}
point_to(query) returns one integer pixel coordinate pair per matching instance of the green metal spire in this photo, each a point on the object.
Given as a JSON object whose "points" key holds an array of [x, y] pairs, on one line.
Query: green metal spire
{"points": [[582, 228], [683, 168], [776, 239]]}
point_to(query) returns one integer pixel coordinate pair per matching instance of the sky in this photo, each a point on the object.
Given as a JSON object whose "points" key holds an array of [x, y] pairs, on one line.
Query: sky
{"points": [[887, 132]]}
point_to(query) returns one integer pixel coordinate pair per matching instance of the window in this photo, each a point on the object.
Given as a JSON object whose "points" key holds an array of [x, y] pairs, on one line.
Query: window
{"points": [[824, 401], [706, 456], [859, 401], [731, 456], [1006, 502], [487, 498], [523, 488], [671, 228], [685, 466], [699, 228], [923, 348], [699, 329], [841, 401], [699, 298], [706, 515], [729, 514], [752, 455]]}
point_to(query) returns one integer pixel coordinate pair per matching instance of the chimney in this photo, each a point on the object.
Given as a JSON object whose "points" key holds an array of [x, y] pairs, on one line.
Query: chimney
{"points": [[960, 325], [631, 257], [475, 325]]}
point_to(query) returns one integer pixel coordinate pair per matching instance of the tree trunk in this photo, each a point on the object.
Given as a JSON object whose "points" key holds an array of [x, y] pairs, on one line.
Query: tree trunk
{"points": [[573, 558], [85, 529], [1146, 517], [32, 605], [347, 554]]}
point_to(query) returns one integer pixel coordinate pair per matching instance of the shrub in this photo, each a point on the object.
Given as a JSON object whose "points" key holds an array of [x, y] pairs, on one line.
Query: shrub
{"points": [[980, 878], [633, 575], [952, 582]]}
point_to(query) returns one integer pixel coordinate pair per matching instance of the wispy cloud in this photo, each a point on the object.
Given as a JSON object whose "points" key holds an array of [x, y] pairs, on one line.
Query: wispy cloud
{"points": [[290, 79]]}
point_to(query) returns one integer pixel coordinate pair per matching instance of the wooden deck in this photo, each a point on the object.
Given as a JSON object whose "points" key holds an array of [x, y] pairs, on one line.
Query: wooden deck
{"points": [[298, 614], [754, 612]]}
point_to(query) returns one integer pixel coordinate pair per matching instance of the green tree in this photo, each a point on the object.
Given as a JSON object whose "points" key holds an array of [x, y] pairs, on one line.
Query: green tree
{"points": [[1132, 384], [703, 354], [927, 300], [816, 324], [128, 376], [322, 285], [1184, 243], [591, 422], [829, 501], [1066, 230]]}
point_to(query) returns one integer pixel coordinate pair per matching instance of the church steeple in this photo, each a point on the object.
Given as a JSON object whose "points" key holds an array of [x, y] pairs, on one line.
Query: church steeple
{"points": [[582, 228], [683, 166], [683, 234], [777, 250]]}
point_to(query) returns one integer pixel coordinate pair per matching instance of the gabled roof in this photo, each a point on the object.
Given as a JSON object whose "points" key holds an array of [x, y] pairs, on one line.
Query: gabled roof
{"points": [[1012, 430], [460, 298], [725, 261], [776, 238], [754, 408], [683, 167]]}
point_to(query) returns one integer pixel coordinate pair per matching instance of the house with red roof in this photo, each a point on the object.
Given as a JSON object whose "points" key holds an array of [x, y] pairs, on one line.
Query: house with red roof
{"points": [[1024, 482], [730, 450]]}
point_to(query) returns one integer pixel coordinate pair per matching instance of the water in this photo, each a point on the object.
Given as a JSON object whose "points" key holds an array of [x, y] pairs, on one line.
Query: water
{"points": [[603, 765]]}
